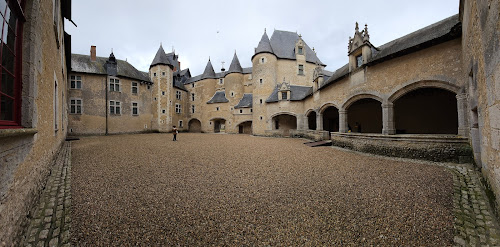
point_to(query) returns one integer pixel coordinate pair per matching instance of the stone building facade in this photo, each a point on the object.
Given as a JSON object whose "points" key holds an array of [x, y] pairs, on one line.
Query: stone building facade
{"points": [[33, 104]]}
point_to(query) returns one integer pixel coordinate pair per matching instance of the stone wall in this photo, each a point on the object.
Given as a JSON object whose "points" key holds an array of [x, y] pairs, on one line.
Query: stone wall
{"points": [[481, 69], [26, 154]]}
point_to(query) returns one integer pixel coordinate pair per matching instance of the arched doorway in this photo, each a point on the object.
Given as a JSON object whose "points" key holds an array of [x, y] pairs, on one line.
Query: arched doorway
{"points": [[285, 123], [194, 125], [365, 116], [219, 125], [331, 119], [426, 111], [311, 120], [245, 128]]}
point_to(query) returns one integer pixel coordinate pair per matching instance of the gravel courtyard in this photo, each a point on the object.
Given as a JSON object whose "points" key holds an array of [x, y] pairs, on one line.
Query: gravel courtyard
{"points": [[240, 190]]}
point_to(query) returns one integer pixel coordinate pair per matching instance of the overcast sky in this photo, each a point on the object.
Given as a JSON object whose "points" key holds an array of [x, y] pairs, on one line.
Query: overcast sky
{"points": [[198, 30]]}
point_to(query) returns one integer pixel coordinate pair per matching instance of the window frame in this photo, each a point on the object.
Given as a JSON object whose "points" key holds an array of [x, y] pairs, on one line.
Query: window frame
{"points": [[178, 94], [300, 69], [359, 60], [116, 82], [178, 109], [192, 97], [115, 104], [75, 105], [181, 124], [136, 86], [74, 78], [300, 50], [135, 107], [16, 8], [192, 108], [284, 95]]}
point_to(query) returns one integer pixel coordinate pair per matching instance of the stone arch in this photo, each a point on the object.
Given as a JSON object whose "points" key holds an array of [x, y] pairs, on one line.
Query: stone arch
{"points": [[326, 105], [410, 86], [283, 113], [311, 119], [244, 127], [360, 96], [194, 125], [284, 122], [219, 124]]}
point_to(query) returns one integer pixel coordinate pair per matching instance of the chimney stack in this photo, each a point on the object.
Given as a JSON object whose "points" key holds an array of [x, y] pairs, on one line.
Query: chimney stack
{"points": [[93, 57]]}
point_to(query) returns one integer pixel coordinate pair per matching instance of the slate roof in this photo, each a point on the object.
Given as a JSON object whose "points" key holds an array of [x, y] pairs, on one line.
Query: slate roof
{"points": [[264, 45], [245, 102], [180, 78], [436, 33], [235, 66], [219, 97], [296, 93], [161, 58], [209, 71], [217, 75], [283, 46], [82, 64]]}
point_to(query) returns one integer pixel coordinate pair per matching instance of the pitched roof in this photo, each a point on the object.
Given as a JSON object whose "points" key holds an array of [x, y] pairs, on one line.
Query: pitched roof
{"points": [[83, 64], [283, 46], [161, 58], [219, 97], [235, 66], [245, 102], [264, 45], [209, 71], [217, 75], [433, 34], [296, 93]]}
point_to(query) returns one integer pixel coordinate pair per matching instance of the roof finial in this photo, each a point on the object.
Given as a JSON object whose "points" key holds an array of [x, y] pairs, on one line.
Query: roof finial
{"points": [[161, 44], [209, 58], [111, 49], [357, 28], [300, 36], [264, 30]]}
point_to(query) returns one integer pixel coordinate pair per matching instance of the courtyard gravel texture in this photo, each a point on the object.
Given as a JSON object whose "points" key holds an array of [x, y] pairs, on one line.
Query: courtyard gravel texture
{"points": [[240, 190]]}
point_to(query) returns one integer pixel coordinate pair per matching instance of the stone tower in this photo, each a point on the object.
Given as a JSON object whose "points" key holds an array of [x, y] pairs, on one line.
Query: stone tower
{"points": [[264, 78], [161, 73]]}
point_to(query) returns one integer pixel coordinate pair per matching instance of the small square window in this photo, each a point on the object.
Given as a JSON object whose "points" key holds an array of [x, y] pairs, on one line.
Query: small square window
{"points": [[262, 60], [232, 94], [221, 81], [241, 111], [260, 101], [154, 74], [163, 111], [260, 81], [163, 73], [162, 92], [260, 117], [251, 110], [217, 108]]}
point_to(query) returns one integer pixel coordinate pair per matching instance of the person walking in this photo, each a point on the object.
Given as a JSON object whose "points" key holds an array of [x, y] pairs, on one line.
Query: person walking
{"points": [[175, 132]]}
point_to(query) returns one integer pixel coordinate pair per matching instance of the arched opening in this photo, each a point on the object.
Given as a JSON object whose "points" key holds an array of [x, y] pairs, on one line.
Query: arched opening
{"points": [[219, 125], [311, 120], [285, 123], [245, 128], [426, 111], [194, 125], [365, 116], [331, 119]]}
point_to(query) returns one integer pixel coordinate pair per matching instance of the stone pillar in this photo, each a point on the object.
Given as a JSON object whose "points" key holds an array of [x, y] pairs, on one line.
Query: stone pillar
{"points": [[343, 121], [306, 122], [388, 119], [300, 122], [463, 124], [319, 121]]}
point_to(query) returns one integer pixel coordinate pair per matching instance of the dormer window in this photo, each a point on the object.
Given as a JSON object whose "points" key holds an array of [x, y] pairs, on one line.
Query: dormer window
{"points": [[359, 61], [300, 51]]}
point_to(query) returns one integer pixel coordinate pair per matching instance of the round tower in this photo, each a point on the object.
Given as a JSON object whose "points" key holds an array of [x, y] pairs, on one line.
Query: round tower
{"points": [[161, 74]]}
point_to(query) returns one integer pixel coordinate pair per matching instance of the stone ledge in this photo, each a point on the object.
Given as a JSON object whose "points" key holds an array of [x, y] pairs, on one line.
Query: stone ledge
{"points": [[4, 133]]}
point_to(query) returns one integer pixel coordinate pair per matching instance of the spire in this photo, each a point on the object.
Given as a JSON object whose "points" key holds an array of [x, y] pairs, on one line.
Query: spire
{"points": [[366, 36], [235, 66], [209, 72], [264, 45], [160, 58]]}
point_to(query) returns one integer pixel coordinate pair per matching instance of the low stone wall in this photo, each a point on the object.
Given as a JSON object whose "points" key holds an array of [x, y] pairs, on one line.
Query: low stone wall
{"points": [[316, 135], [441, 148]]}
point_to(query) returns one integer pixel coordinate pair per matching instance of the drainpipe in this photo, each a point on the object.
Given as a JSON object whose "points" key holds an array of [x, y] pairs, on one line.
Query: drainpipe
{"points": [[106, 104]]}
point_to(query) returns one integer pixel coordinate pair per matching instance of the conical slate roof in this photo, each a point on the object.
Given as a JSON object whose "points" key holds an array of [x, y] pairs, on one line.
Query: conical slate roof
{"points": [[209, 72], [235, 66], [160, 58], [264, 45]]}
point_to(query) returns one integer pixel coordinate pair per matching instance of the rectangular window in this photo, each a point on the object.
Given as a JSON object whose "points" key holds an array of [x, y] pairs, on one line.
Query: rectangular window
{"points": [[178, 108], [359, 60], [75, 82], [301, 51], [178, 95], [181, 124], [192, 109], [135, 108], [10, 68], [221, 81], [241, 111], [75, 106], [260, 81], [217, 108], [114, 85], [135, 88], [284, 95], [114, 107], [192, 97], [301, 69]]}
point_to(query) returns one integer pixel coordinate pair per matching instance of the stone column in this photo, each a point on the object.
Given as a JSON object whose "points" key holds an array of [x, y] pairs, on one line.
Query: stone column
{"points": [[319, 121], [463, 124], [388, 119], [306, 122], [300, 122], [343, 121]]}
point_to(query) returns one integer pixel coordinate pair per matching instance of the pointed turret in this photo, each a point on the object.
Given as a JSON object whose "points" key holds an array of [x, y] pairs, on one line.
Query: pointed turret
{"points": [[111, 65], [209, 72], [160, 58], [264, 45], [235, 66]]}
